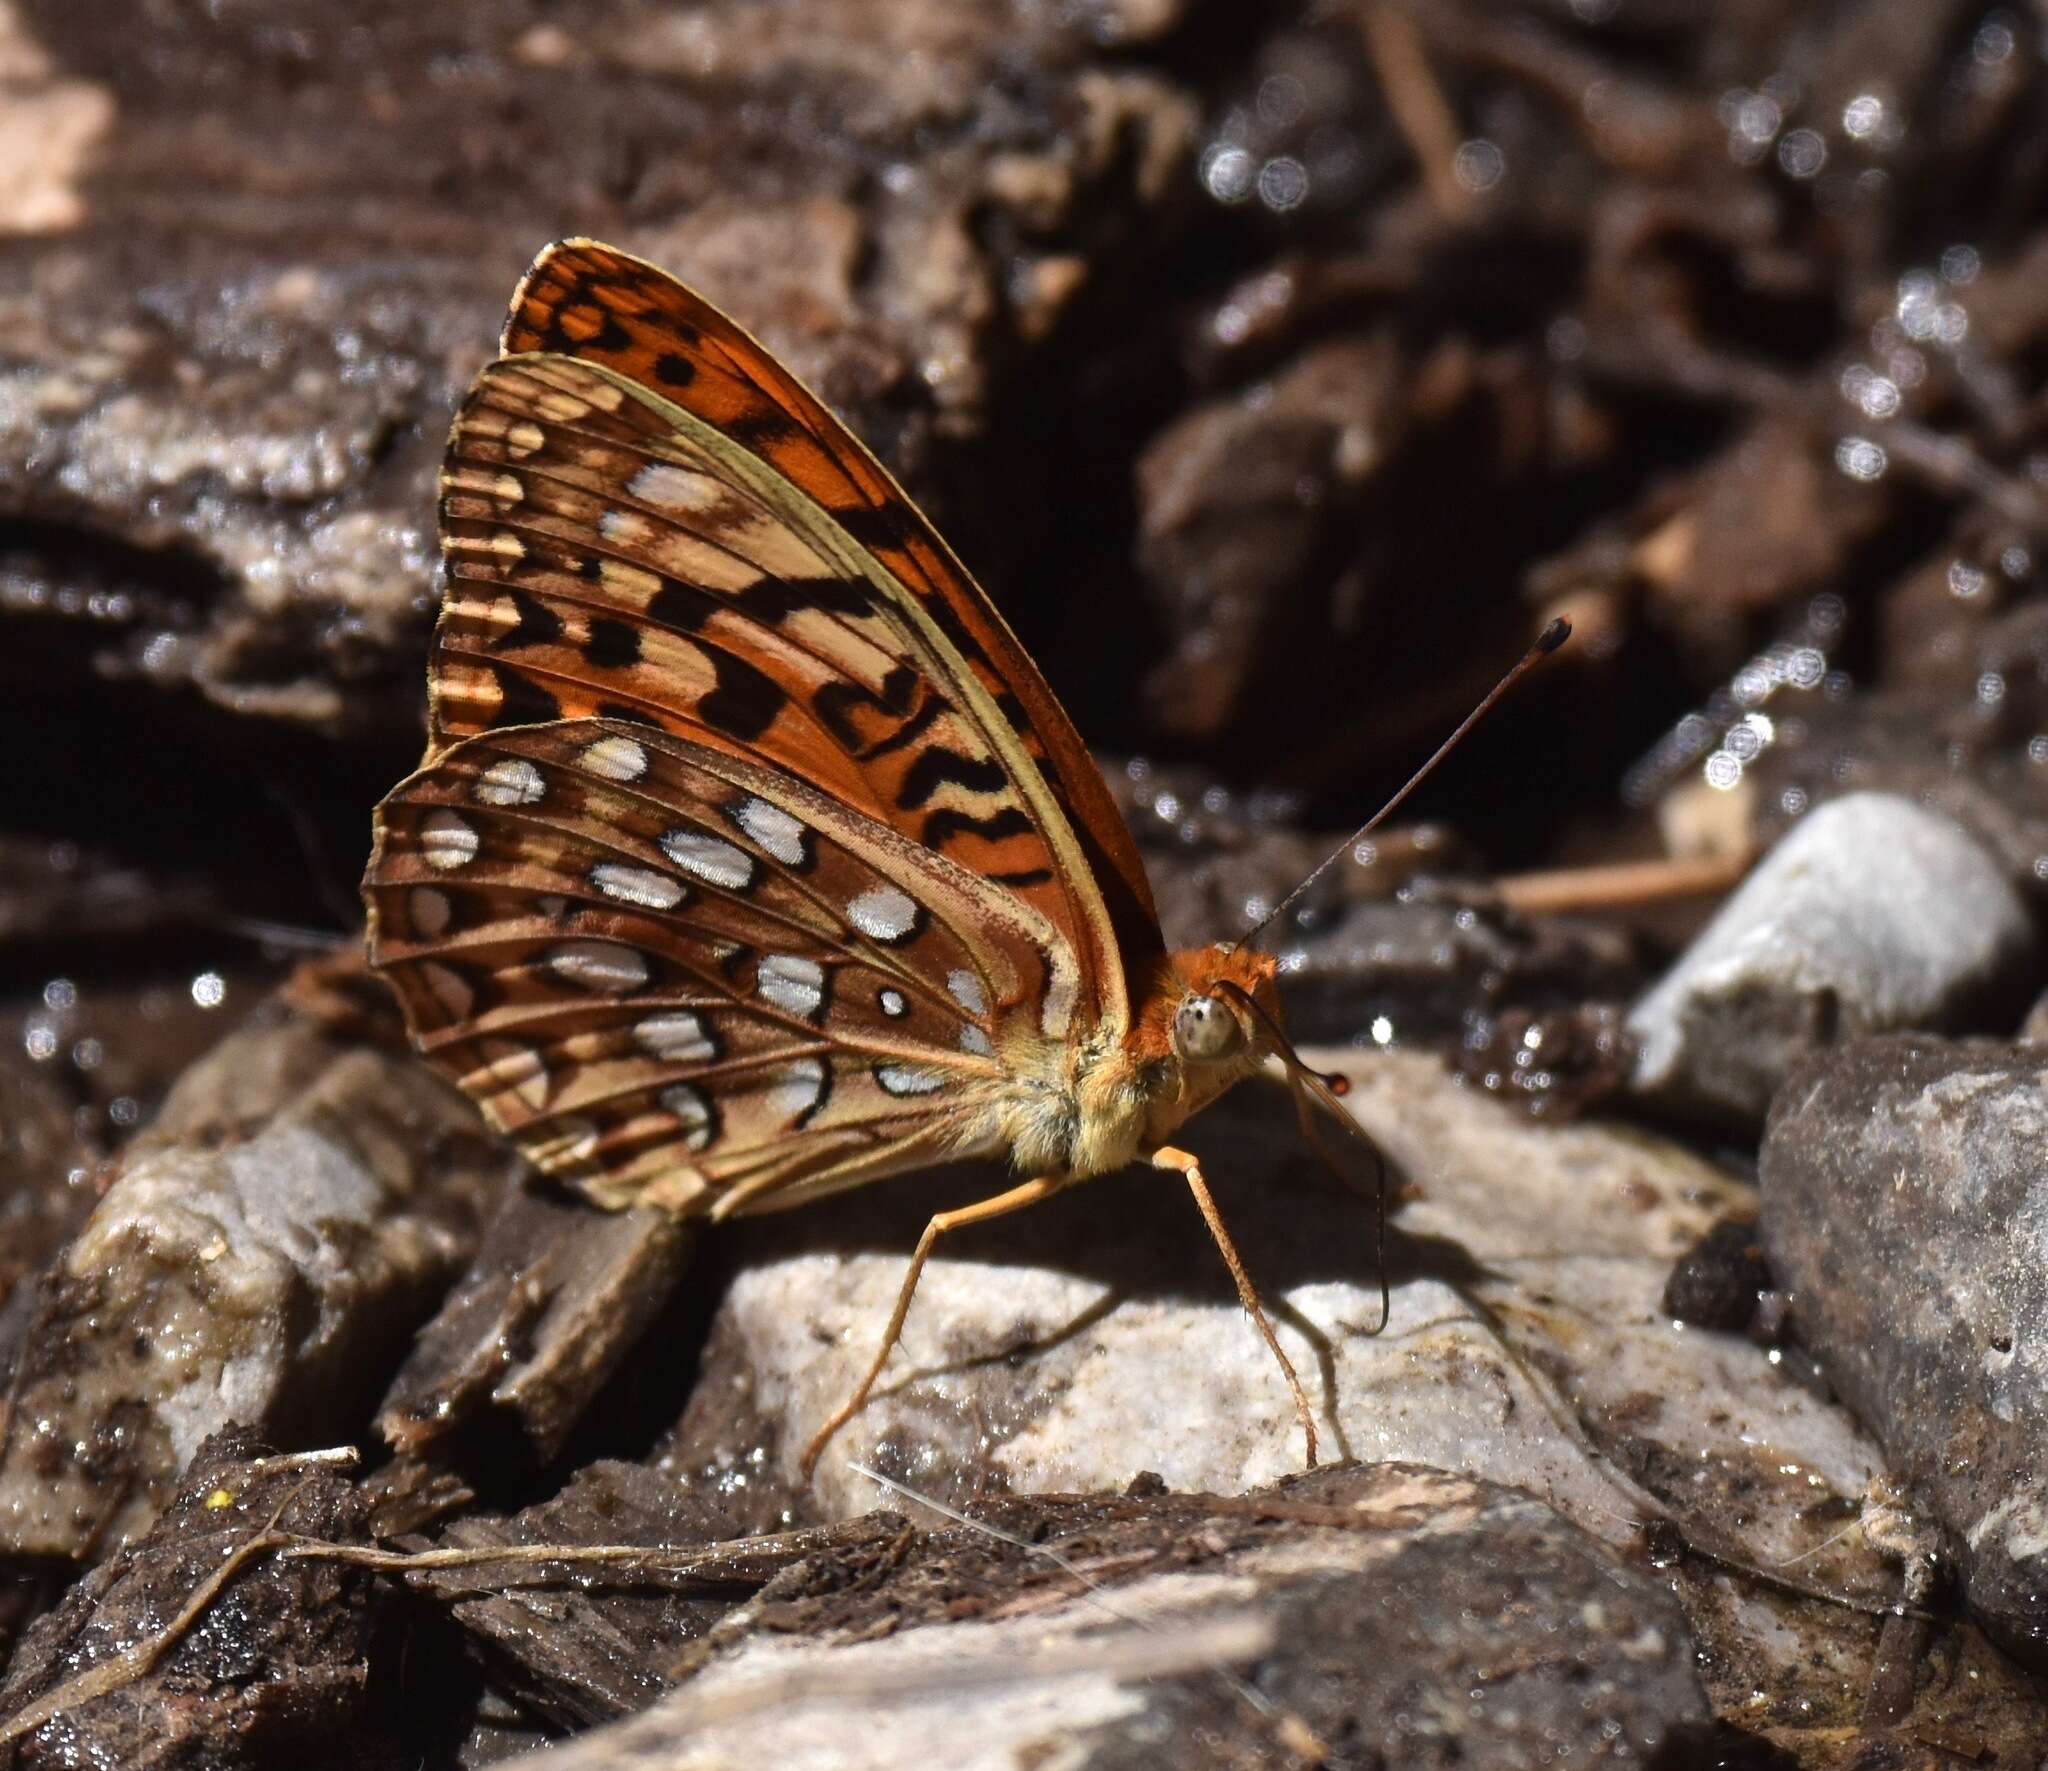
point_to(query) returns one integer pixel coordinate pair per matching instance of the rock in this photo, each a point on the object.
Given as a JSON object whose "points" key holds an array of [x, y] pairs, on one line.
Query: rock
{"points": [[1904, 744], [260, 1258], [1220, 1632], [1870, 916], [1905, 1212], [224, 418], [1303, 554], [1766, 522], [1716, 1282], [1222, 536], [1402, 941], [273, 1672], [1560, 1064], [1073, 1345]]}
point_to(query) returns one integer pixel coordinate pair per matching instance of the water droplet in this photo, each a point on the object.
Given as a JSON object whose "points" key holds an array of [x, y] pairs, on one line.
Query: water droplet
{"points": [[1875, 395], [1863, 116], [1478, 165], [1227, 173], [1860, 458], [1282, 100], [60, 993], [209, 989], [1993, 43], [1283, 183], [1753, 120], [1802, 153], [1960, 265]]}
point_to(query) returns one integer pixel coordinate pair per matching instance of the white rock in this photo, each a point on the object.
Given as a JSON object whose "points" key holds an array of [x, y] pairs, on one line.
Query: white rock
{"points": [[1096, 1336], [1871, 916]]}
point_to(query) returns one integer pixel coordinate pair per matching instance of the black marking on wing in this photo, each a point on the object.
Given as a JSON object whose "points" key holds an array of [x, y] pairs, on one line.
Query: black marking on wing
{"points": [[818, 1101], [746, 701], [878, 525], [943, 824], [837, 703], [538, 625], [1012, 710], [612, 645], [522, 702], [753, 430], [909, 729], [936, 767], [683, 607], [770, 601]]}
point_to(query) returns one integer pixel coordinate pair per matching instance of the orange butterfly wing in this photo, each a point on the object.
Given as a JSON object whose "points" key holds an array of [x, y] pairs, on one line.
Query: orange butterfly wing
{"points": [[750, 856]]}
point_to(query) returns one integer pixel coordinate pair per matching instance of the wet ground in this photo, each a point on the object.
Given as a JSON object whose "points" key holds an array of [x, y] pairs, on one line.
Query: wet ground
{"points": [[1281, 371]]}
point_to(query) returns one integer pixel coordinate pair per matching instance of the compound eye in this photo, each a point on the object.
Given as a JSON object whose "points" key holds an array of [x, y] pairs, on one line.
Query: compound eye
{"points": [[1204, 1029]]}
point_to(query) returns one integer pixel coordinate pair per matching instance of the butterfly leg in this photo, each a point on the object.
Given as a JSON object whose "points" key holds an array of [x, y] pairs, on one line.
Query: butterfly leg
{"points": [[1001, 1205], [1189, 1169]]}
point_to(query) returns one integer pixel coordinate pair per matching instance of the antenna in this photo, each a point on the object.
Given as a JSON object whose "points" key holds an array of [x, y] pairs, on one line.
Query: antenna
{"points": [[1547, 642]]}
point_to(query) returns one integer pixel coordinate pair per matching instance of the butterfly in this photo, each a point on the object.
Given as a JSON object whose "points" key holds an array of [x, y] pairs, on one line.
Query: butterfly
{"points": [[751, 857]]}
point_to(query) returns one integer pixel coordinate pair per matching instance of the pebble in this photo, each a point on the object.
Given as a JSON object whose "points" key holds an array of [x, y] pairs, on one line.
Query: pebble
{"points": [[1871, 916]]}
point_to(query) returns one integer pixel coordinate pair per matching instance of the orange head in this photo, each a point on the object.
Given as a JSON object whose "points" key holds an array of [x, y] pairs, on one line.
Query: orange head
{"points": [[1212, 1014]]}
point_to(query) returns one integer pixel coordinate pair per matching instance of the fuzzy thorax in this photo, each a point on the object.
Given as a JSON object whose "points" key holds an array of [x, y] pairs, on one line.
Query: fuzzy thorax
{"points": [[1097, 1105]]}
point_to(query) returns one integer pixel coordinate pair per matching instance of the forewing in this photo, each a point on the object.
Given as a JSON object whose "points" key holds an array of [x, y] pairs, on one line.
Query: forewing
{"points": [[769, 565], [675, 976]]}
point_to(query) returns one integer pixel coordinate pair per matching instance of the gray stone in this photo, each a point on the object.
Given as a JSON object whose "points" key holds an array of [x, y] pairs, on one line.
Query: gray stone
{"points": [[1076, 1346], [241, 401], [259, 1260], [1871, 916], [1905, 1210]]}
